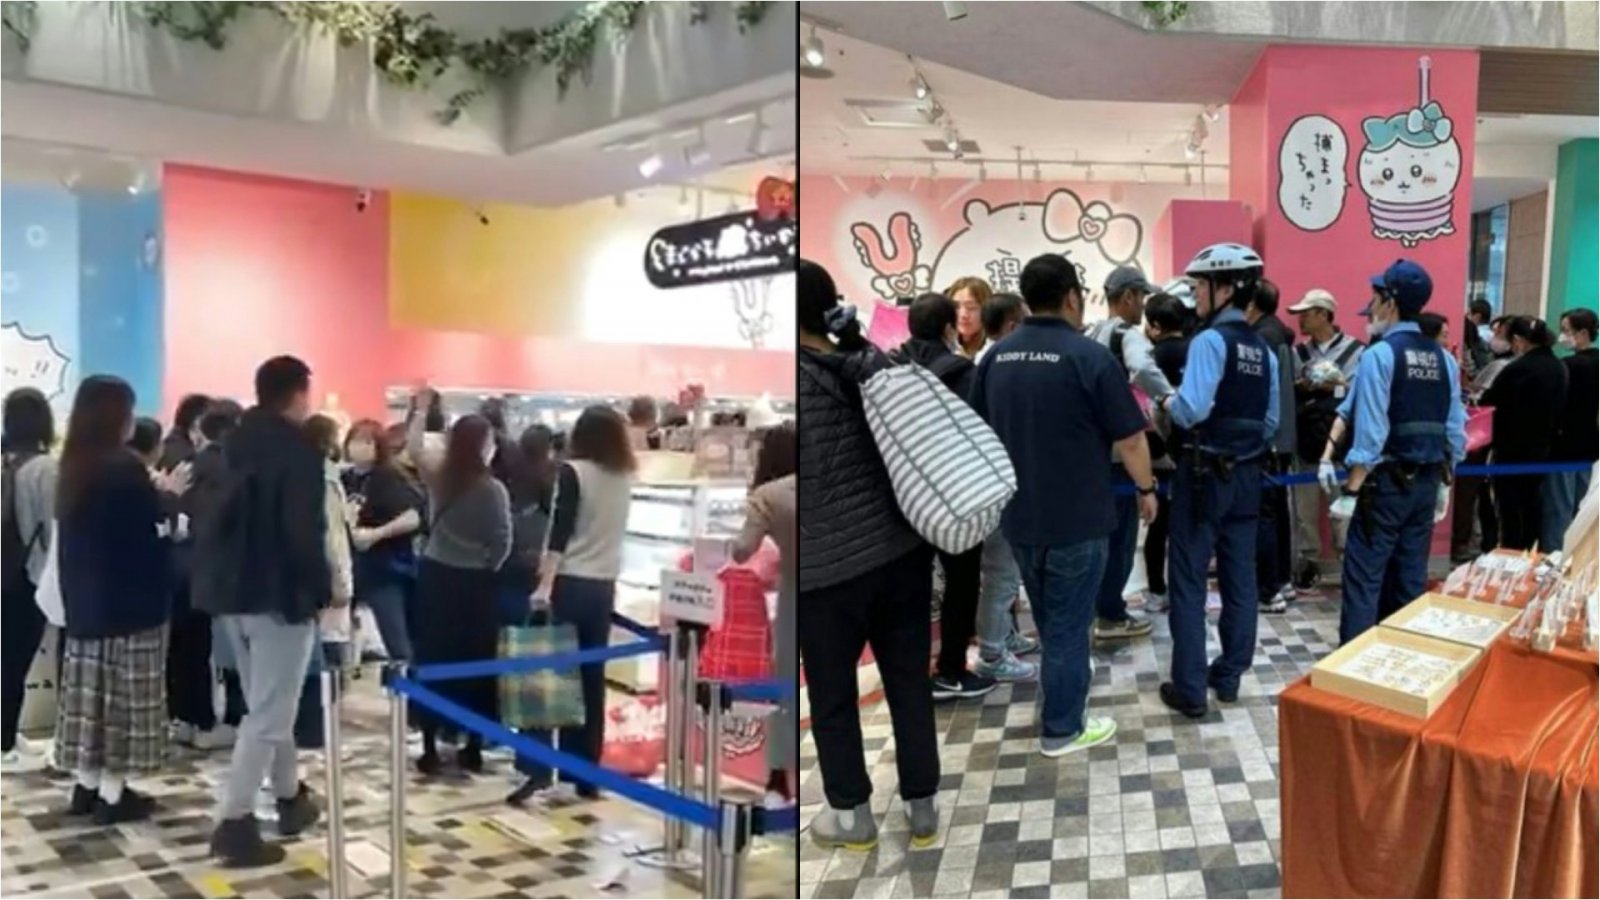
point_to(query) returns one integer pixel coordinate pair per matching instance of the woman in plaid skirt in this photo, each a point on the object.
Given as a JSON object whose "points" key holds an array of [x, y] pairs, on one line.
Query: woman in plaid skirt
{"points": [[116, 587]]}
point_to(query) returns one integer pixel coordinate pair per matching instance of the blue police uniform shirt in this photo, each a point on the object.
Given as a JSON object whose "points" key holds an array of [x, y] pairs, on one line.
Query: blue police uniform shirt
{"points": [[1218, 355], [1058, 401], [1370, 408]]}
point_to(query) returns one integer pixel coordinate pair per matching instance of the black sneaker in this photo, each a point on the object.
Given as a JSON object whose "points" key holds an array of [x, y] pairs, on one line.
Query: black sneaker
{"points": [[1308, 576], [525, 791], [1224, 693], [238, 843], [132, 806], [429, 764], [1169, 696], [967, 686], [298, 813], [83, 801], [470, 759]]}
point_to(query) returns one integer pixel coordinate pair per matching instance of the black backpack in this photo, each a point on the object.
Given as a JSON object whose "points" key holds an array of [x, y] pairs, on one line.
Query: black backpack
{"points": [[14, 549]]}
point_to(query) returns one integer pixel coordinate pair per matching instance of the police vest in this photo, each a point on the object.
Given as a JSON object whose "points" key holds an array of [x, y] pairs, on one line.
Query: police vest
{"points": [[1236, 427], [1419, 400]]}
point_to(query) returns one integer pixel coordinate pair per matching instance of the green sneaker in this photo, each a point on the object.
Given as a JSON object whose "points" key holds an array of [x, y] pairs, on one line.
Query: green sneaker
{"points": [[1096, 731]]}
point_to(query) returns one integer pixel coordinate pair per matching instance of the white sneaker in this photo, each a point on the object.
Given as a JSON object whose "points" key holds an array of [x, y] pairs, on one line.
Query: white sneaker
{"points": [[215, 739], [25, 747], [17, 762], [183, 733]]}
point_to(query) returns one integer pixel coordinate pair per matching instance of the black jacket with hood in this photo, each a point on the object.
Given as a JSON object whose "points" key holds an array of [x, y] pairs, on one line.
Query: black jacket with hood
{"points": [[850, 523], [260, 546], [954, 370]]}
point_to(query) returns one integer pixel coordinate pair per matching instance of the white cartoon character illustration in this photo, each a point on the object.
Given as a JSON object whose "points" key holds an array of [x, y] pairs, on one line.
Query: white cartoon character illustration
{"points": [[999, 241], [896, 271], [33, 360], [1409, 170]]}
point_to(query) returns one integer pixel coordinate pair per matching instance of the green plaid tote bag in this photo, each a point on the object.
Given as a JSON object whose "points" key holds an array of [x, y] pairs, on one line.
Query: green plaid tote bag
{"points": [[543, 698]]}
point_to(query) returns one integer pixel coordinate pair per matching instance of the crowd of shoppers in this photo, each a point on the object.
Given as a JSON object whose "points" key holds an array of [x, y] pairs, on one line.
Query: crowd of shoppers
{"points": [[1200, 383], [238, 545]]}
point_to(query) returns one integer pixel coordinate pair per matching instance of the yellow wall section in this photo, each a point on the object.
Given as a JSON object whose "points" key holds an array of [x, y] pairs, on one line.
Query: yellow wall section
{"points": [[519, 275]]}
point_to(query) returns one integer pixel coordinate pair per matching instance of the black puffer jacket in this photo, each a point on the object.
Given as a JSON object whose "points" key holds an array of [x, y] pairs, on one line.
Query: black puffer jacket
{"points": [[956, 372], [850, 523]]}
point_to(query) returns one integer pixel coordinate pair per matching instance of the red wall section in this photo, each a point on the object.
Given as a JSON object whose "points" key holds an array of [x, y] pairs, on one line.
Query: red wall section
{"points": [[258, 266], [262, 266]]}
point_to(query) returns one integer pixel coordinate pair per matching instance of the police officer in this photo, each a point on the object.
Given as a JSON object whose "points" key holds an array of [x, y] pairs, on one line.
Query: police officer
{"points": [[1409, 431], [1222, 418]]}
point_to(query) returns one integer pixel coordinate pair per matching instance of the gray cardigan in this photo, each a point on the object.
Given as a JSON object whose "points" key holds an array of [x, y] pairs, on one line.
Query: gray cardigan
{"points": [[470, 531], [36, 500]]}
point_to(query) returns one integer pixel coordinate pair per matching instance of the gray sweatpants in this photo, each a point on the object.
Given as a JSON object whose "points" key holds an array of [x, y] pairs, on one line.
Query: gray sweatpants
{"points": [[273, 656]]}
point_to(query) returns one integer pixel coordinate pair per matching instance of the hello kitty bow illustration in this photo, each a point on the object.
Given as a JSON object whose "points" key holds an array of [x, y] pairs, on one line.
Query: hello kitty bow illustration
{"points": [[1425, 126], [1116, 235]]}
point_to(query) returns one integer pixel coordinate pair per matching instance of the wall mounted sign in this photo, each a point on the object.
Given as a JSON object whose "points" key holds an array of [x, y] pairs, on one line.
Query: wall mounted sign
{"points": [[726, 248]]}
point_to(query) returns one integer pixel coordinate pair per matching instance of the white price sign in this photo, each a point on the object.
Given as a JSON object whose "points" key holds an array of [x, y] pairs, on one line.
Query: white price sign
{"points": [[691, 597]]}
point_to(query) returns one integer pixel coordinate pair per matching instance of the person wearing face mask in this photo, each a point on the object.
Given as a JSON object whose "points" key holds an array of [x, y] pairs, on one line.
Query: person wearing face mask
{"points": [[935, 345], [384, 513], [1125, 290], [1528, 399], [1223, 419], [1409, 429], [1578, 432], [469, 537]]}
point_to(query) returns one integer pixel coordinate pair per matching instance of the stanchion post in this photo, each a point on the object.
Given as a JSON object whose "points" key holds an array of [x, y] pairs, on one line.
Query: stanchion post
{"points": [[397, 787], [734, 836], [338, 886], [687, 719], [711, 749], [672, 691]]}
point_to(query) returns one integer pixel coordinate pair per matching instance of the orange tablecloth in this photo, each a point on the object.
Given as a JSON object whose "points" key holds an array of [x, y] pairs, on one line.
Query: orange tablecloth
{"points": [[1495, 795]]}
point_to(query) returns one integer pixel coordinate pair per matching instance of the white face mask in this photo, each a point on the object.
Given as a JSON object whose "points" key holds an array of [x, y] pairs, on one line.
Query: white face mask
{"points": [[1499, 346], [1567, 340]]}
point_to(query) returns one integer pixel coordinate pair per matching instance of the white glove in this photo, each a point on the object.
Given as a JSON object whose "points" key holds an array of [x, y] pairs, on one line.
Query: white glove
{"points": [[1441, 504], [1328, 478]]}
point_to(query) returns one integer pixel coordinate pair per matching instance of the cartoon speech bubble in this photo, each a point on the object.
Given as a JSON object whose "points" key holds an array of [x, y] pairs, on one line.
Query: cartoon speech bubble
{"points": [[1311, 172], [32, 361]]}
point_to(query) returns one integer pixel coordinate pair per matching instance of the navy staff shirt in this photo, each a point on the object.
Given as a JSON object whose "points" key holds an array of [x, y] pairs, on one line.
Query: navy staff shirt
{"points": [[1058, 401]]}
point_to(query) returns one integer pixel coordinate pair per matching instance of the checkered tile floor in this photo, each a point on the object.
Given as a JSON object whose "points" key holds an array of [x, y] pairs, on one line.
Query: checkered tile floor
{"points": [[1174, 808], [463, 841]]}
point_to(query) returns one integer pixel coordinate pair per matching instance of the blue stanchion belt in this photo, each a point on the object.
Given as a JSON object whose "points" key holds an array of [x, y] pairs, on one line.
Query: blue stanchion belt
{"points": [[638, 628], [760, 691], [684, 809], [522, 664], [783, 819], [1125, 488]]}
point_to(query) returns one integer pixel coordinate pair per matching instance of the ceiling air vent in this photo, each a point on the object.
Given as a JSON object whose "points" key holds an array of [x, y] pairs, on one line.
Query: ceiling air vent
{"points": [[937, 145], [892, 113]]}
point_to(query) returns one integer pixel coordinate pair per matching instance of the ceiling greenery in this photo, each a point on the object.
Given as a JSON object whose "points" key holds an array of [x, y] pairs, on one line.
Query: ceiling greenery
{"points": [[413, 50]]}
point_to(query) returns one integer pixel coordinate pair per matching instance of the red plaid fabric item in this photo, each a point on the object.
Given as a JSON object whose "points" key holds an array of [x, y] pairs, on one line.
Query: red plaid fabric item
{"points": [[741, 650]]}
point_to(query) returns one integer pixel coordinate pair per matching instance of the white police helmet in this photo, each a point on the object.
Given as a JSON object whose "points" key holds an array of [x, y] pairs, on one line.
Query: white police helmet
{"points": [[1182, 289], [1221, 259]]}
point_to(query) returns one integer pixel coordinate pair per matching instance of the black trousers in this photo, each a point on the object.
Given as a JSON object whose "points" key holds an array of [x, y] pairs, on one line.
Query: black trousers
{"points": [[1274, 555], [1155, 547], [1517, 500], [189, 684], [457, 622], [586, 604], [958, 615], [20, 631], [888, 609]]}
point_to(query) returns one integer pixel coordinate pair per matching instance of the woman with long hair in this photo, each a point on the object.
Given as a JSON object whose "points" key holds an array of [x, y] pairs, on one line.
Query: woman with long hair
{"points": [[30, 474], [469, 536], [865, 578], [116, 588], [579, 571], [384, 514], [771, 513]]}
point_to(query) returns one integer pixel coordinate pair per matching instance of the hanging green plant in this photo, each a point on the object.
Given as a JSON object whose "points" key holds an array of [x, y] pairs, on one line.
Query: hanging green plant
{"points": [[1165, 13], [413, 50]]}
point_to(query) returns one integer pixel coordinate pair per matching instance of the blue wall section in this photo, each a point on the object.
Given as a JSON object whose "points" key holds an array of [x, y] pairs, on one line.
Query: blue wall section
{"points": [[119, 326], [80, 281]]}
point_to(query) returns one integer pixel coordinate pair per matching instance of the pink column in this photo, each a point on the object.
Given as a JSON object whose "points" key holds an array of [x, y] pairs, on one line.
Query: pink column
{"points": [[1189, 226]]}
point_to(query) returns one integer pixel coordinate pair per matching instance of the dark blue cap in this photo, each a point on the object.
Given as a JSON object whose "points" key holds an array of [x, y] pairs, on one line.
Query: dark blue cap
{"points": [[1406, 283]]}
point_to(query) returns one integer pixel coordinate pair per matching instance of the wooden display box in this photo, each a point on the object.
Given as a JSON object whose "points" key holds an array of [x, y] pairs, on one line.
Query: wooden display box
{"points": [[1325, 675], [1407, 619]]}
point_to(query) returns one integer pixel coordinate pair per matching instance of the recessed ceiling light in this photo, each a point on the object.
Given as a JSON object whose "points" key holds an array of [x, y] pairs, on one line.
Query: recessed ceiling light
{"points": [[650, 165]]}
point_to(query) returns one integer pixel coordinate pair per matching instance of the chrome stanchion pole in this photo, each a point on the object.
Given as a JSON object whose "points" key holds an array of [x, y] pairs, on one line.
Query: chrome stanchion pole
{"points": [[397, 791], [711, 861], [672, 691], [691, 679], [734, 837], [711, 749], [338, 886]]}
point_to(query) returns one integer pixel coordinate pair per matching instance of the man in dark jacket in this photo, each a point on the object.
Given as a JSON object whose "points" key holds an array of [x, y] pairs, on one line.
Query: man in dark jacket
{"points": [[261, 568], [1528, 397], [932, 321], [1578, 433], [1273, 551]]}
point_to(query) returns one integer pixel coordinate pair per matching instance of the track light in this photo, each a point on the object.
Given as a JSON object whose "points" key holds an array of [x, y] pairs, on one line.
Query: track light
{"points": [[651, 165], [1190, 150], [1144, 177], [1212, 114], [1088, 173], [1038, 174], [363, 199], [983, 173], [934, 112], [757, 136], [1188, 177], [698, 153], [919, 86], [815, 54]]}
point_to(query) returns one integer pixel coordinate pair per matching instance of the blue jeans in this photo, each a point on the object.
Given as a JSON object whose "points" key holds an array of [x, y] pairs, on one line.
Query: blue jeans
{"points": [[1121, 545], [1212, 515], [1386, 553], [998, 582], [1560, 494], [388, 601], [1062, 581]]}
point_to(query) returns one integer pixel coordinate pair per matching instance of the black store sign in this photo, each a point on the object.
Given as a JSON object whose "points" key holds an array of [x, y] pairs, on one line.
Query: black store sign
{"points": [[727, 248]]}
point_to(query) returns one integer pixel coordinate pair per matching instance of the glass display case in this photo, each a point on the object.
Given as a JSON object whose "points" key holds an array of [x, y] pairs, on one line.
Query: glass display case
{"points": [[557, 411]]}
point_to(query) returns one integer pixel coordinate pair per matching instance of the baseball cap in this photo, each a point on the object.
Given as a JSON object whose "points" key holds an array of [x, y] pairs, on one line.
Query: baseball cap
{"points": [[1316, 298], [1123, 278], [1406, 283]]}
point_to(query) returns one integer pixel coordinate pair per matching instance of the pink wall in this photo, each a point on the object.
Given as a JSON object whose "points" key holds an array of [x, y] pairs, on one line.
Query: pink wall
{"points": [[1189, 226], [1310, 239], [908, 240], [260, 266]]}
